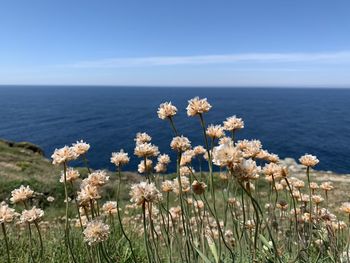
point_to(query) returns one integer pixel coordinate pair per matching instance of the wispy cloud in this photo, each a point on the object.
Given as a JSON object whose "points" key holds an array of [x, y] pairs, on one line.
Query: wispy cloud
{"points": [[323, 57]]}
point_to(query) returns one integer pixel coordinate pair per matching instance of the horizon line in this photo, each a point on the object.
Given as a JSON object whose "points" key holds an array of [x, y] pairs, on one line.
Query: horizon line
{"points": [[182, 86]]}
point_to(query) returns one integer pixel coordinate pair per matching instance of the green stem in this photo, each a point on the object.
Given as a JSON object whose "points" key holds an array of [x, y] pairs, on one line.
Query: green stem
{"points": [[6, 242], [67, 237], [120, 220]]}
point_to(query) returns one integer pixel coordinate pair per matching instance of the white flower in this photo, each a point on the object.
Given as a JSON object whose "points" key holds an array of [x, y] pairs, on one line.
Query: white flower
{"points": [[80, 147], [166, 110], [309, 160], [96, 232]]}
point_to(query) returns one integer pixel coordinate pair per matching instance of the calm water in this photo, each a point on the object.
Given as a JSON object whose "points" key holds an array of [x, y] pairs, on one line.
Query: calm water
{"points": [[289, 122]]}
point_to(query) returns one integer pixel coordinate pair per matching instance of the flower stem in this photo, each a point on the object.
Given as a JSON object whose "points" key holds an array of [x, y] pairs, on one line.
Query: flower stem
{"points": [[6, 242], [119, 218]]}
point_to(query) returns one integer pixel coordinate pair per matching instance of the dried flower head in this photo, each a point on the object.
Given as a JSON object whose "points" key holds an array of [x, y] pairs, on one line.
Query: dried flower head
{"points": [[142, 137], [96, 232], [120, 158], [197, 106], [198, 187], [180, 143], [21, 194], [215, 131], [80, 147], [71, 175], [233, 123], [62, 155], [143, 150], [145, 192], [308, 160], [7, 214], [166, 110], [31, 215]]}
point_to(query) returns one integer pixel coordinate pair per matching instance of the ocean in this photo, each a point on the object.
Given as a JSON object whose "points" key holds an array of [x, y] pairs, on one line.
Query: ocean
{"points": [[289, 122]]}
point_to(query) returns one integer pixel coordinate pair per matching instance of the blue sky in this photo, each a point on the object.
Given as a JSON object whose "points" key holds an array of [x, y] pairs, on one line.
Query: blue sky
{"points": [[176, 43]]}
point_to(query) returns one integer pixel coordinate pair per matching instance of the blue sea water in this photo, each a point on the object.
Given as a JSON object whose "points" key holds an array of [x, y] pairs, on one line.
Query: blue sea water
{"points": [[289, 122]]}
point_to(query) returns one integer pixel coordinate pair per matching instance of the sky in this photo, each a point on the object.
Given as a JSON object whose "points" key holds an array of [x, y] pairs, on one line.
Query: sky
{"points": [[175, 43]]}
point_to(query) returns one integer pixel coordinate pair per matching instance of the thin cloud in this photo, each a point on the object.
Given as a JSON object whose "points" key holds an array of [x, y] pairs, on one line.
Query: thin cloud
{"points": [[325, 57]]}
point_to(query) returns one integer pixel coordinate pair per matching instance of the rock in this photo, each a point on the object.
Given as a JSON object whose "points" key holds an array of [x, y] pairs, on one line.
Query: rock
{"points": [[25, 145]]}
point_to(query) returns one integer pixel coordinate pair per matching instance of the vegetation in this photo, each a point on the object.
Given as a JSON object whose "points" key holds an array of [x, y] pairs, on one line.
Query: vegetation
{"points": [[242, 204]]}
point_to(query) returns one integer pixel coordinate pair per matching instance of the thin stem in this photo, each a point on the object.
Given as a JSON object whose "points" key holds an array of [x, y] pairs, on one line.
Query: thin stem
{"points": [[40, 239], [66, 219], [145, 232], [6, 242], [119, 217]]}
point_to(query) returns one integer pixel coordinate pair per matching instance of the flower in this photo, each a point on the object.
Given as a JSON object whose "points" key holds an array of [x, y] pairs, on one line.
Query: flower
{"points": [[197, 106], [186, 157], [63, 155], [198, 187], [345, 207], [145, 192], [110, 208], [160, 168], [21, 194], [96, 232], [250, 148], [142, 138], [185, 183], [50, 199], [164, 159], [233, 123], [141, 167], [199, 150], [120, 158], [317, 199], [31, 215], [226, 155], [80, 147], [7, 215], [166, 110], [143, 150], [180, 143], [96, 178], [71, 175], [225, 140], [309, 160], [186, 171], [248, 170], [87, 193], [327, 186], [215, 131], [167, 186]]}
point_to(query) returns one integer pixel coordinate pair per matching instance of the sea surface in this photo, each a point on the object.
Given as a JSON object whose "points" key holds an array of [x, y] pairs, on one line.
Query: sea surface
{"points": [[289, 122]]}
